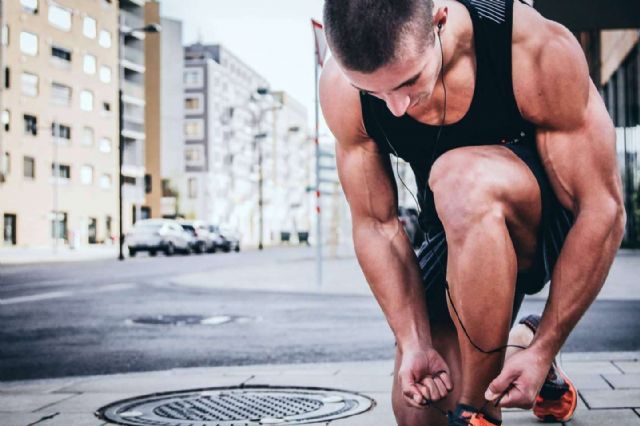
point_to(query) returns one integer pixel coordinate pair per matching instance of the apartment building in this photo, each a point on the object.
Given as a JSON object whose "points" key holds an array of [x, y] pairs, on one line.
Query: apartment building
{"points": [[59, 135]]}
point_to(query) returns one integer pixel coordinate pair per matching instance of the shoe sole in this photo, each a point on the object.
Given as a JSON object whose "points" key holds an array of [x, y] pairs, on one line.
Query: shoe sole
{"points": [[551, 418]]}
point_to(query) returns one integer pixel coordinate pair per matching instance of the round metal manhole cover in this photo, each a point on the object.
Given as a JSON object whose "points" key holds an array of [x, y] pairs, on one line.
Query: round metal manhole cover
{"points": [[188, 320], [246, 406]]}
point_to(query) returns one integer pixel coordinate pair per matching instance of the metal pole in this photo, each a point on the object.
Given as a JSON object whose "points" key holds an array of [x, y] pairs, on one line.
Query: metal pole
{"points": [[260, 194], [120, 145], [318, 204]]}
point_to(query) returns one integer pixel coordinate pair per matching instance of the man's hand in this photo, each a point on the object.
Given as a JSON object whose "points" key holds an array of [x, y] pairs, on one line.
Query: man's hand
{"points": [[520, 380], [423, 377]]}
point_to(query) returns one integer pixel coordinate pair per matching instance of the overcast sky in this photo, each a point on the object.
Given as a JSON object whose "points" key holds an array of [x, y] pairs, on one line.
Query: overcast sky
{"points": [[273, 37]]}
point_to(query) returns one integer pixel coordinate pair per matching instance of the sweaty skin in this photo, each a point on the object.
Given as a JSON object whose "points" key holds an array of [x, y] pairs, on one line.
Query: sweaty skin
{"points": [[576, 140]]}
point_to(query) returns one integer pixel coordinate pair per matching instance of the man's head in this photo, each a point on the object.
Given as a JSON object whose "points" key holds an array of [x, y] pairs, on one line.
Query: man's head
{"points": [[386, 47]]}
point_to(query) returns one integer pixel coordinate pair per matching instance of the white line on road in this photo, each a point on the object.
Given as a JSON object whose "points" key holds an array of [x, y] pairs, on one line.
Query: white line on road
{"points": [[59, 294]]}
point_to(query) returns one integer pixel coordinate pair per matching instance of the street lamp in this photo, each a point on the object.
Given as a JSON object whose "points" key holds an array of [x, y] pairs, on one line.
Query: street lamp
{"points": [[150, 28]]}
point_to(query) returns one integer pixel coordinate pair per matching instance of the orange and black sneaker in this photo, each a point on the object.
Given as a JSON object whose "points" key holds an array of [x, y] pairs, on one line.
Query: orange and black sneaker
{"points": [[466, 415], [558, 397]]}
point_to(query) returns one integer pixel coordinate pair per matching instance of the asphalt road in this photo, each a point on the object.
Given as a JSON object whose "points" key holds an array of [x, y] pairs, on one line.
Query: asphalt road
{"points": [[80, 318]]}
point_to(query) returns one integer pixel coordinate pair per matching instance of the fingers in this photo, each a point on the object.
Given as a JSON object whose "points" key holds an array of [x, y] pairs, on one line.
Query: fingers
{"points": [[516, 398], [412, 394], [500, 384]]}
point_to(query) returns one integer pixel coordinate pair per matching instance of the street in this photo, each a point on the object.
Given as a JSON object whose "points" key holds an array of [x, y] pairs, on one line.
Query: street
{"points": [[102, 317]]}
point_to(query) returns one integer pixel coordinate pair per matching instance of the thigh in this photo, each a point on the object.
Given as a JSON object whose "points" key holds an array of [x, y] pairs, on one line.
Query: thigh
{"points": [[445, 341], [468, 179]]}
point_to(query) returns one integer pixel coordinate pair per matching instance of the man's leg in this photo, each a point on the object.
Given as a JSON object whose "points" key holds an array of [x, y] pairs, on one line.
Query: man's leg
{"points": [[489, 203]]}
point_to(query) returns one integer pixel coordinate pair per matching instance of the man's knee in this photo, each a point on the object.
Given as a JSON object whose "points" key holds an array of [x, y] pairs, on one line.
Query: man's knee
{"points": [[466, 193]]}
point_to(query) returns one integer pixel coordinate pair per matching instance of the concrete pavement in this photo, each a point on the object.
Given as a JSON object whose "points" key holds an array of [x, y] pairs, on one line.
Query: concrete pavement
{"points": [[609, 386]]}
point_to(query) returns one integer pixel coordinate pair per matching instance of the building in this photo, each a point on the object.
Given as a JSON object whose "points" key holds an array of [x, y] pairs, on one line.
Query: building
{"points": [[59, 103], [172, 114]]}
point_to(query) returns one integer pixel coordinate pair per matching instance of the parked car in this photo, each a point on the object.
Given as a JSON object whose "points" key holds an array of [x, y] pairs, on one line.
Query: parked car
{"points": [[227, 239], [216, 242], [200, 232], [154, 235], [409, 218]]}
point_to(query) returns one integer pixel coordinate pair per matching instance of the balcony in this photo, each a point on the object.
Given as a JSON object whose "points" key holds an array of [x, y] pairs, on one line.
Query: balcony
{"points": [[129, 21], [134, 55], [133, 89]]}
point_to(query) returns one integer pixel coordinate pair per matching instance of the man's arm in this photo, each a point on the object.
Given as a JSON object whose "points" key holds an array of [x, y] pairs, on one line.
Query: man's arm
{"points": [[576, 140], [382, 247]]}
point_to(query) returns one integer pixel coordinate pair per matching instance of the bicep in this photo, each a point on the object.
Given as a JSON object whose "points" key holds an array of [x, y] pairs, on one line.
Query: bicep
{"points": [[367, 180]]}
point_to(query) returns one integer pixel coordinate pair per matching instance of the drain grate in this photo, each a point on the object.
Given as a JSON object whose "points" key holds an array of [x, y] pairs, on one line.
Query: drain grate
{"points": [[246, 406]]}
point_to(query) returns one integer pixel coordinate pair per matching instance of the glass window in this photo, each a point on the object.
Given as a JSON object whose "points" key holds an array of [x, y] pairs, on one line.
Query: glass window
{"points": [[105, 39], [86, 175], [30, 124], [5, 35], [193, 78], [193, 188], [104, 145], [28, 43], [61, 53], [194, 129], [6, 163], [87, 136], [86, 100], [59, 17], [89, 27], [29, 84], [7, 77], [105, 74], [60, 94], [30, 6], [106, 107], [61, 131], [6, 120], [194, 102], [89, 64], [59, 225], [105, 181], [63, 171], [29, 167]]}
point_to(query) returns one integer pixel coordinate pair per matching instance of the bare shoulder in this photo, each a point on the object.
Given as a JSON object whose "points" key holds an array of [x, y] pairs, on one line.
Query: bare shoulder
{"points": [[550, 72], [341, 108]]}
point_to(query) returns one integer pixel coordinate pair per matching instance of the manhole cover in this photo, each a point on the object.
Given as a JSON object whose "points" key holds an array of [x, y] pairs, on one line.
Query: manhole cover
{"points": [[246, 406], [187, 319]]}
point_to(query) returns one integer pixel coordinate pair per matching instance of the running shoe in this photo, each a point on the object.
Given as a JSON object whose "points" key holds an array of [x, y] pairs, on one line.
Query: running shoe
{"points": [[465, 415], [558, 397]]}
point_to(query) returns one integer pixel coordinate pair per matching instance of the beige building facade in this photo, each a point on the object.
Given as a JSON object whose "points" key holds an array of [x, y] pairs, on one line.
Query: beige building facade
{"points": [[59, 140]]}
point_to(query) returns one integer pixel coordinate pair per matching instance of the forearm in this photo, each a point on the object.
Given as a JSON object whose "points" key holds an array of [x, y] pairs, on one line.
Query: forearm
{"points": [[391, 269], [579, 274]]}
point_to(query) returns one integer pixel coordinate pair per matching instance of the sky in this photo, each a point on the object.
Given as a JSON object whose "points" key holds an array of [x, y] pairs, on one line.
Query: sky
{"points": [[273, 37]]}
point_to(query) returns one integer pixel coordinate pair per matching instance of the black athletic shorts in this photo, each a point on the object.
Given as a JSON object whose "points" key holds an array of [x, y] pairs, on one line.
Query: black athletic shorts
{"points": [[554, 227]]}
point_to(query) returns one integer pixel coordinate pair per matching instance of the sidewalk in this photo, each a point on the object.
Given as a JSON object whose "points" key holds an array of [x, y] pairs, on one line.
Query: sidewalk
{"points": [[28, 255], [609, 386]]}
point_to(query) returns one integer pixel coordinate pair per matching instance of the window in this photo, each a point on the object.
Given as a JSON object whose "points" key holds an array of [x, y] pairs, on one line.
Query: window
{"points": [[29, 6], [194, 156], [61, 53], [7, 78], [193, 102], [194, 129], [60, 131], [5, 35], [106, 107], [29, 167], [89, 27], [193, 78], [9, 230], [148, 184], [89, 64], [63, 171], [30, 125], [29, 84], [193, 188], [105, 181], [87, 136], [6, 120], [6, 163], [28, 43], [59, 225], [105, 39], [104, 145], [105, 74], [86, 175], [59, 17], [60, 94], [86, 100]]}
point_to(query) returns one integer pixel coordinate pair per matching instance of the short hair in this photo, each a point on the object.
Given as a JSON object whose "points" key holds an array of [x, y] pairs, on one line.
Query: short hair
{"points": [[365, 35]]}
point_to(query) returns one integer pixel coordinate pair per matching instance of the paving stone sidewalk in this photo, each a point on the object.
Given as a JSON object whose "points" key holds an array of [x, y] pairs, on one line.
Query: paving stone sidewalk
{"points": [[609, 385]]}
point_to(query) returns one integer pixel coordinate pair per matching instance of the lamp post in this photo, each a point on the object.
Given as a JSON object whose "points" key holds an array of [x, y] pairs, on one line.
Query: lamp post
{"points": [[151, 28]]}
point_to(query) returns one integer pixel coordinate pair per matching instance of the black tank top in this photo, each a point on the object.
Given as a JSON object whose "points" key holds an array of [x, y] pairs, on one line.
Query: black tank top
{"points": [[492, 118]]}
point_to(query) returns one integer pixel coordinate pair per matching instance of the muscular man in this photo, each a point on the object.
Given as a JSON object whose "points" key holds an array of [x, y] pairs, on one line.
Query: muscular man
{"points": [[514, 156]]}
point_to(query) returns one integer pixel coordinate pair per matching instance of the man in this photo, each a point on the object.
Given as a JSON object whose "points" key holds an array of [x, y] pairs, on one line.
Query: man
{"points": [[514, 156]]}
